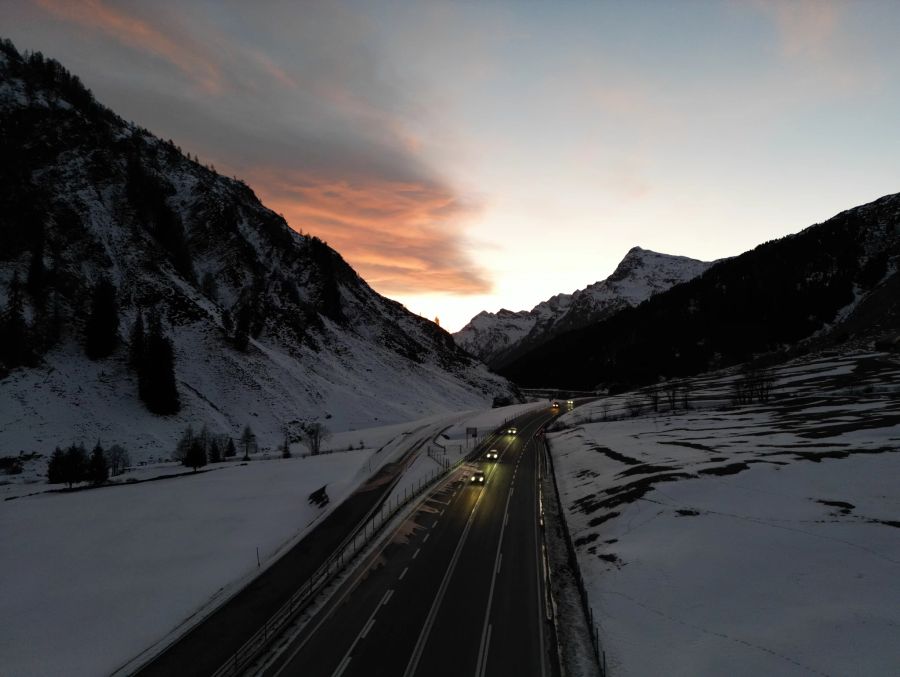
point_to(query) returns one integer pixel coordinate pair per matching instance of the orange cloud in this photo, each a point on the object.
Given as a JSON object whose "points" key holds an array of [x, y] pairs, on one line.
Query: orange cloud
{"points": [[134, 32], [402, 237]]}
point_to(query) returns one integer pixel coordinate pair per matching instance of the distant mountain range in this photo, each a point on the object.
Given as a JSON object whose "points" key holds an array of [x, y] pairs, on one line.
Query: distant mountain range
{"points": [[100, 221], [501, 338], [833, 284]]}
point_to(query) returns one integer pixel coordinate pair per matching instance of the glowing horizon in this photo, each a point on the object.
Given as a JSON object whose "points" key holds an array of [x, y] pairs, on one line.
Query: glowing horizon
{"points": [[472, 157]]}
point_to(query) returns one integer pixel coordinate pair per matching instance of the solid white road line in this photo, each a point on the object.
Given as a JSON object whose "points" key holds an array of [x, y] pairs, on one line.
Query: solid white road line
{"points": [[499, 562], [482, 659]]}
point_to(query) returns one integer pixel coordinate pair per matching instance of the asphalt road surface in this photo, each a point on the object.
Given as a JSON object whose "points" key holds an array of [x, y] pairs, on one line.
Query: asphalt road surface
{"points": [[456, 590], [204, 648]]}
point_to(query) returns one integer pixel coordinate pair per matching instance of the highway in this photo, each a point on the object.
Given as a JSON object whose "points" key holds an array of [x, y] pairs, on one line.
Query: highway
{"points": [[456, 589], [201, 650]]}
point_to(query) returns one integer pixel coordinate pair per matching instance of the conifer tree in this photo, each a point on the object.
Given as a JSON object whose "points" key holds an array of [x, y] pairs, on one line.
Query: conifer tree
{"points": [[196, 455], [136, 343], [248, 442], [215, 455], [97, 472], [230, 450], [37, 272], [183, 448], [14, 350], [101, 332], [156, 372], [74, 465], [242, 328], [56, 467]]}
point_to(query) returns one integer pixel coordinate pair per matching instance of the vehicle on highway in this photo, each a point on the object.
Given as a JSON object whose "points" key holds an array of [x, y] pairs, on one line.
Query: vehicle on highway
{"points": [[555, 404], [512, 430], [570, 403], [477, 477], [492, 455]]}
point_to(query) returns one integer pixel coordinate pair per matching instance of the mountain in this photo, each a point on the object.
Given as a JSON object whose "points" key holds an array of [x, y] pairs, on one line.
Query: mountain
{"points": [[244, 320], [831, 284], [499, 338]]}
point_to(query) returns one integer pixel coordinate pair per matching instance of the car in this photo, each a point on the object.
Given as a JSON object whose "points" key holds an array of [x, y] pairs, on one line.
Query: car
{"points": [[555, 404], [512, 430], [477, 477], [492, 455], [570, 403]]}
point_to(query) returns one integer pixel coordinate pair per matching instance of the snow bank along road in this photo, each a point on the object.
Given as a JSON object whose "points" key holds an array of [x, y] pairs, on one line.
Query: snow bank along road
{"points": [[455, 590], [203, 649]]}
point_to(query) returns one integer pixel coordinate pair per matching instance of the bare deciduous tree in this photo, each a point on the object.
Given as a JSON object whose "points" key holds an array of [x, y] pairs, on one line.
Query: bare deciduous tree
{"points": [[314, 434]]}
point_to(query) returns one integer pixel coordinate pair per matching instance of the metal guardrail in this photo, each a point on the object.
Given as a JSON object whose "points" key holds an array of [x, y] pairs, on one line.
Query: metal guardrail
{"points": [[356, 543], [587, 609]]}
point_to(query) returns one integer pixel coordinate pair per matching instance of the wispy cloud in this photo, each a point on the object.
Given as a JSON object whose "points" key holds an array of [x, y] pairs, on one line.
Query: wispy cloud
{"points": [[403, 237], [806, 27], [132, 31], [299, 104]]}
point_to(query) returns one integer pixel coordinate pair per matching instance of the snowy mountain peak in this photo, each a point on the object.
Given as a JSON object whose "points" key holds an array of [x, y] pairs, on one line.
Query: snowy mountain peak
{"points": [[499, 337]]}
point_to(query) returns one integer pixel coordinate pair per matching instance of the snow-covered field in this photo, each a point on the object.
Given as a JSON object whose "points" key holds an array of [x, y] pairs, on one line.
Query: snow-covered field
{"points": [[93, 578], [754, 540]]}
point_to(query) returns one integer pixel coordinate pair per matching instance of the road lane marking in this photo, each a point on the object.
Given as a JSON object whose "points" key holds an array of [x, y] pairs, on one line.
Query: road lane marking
{"points": [[438, 598], [539, 549], [499, 563], [485, 632], [387, 597], [341, 667], [403, 573], [365, 630], [482, 657], [426, 537], [416, 553], [435, 524]]}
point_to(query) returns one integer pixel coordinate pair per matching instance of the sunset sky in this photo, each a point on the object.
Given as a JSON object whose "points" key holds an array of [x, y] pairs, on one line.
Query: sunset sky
{"points": [[471, 155]]}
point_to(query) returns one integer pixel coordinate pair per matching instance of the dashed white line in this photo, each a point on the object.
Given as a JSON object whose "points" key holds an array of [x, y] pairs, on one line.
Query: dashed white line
{"points": [[340, 668], [402, 574], [426, 537], [365, 630], [387, 597], [499, 562], [416, 553]]}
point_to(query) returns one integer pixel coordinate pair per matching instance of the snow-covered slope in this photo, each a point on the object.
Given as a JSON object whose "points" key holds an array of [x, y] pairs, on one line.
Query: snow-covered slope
{"points": [[85, 196], [497, 338], [760, 539]]}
